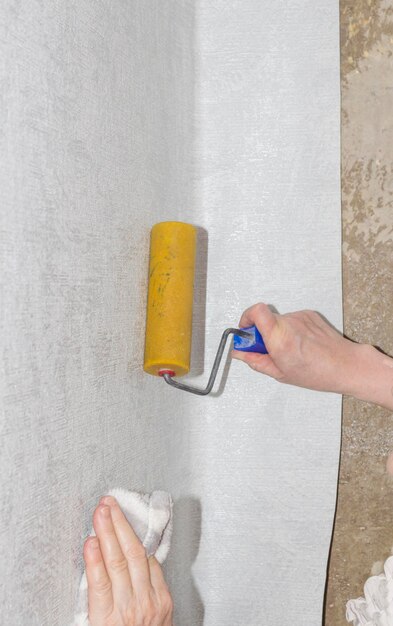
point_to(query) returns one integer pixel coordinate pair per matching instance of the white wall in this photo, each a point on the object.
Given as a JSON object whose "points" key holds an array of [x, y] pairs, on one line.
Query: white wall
{"points": [[115, 116]]}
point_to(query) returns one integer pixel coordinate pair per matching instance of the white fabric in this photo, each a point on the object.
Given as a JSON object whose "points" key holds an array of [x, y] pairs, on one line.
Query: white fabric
{"points": [[376, 607], [151, 519]]}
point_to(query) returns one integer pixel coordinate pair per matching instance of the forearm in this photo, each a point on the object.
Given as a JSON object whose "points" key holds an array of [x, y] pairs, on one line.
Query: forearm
{"points": [[371, 378]]}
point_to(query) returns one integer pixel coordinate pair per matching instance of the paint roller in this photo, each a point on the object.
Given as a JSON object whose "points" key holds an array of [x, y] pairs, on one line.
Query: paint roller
{"points": [[169, 309]]}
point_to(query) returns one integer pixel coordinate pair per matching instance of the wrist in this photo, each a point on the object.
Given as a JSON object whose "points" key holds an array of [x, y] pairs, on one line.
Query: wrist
{"points": [[371, 376]]}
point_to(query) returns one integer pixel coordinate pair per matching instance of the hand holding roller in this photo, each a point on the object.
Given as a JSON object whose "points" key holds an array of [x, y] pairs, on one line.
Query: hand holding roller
{"points": [[169, 309]]}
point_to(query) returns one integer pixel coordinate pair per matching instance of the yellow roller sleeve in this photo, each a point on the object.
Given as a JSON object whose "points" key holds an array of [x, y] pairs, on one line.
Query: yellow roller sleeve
{"points": [[170, 298]]}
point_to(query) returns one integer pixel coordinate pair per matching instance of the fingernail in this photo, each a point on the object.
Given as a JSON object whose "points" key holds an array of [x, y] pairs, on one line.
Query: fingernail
{"points": [[105, 511], [108, 500], [93, 543]]}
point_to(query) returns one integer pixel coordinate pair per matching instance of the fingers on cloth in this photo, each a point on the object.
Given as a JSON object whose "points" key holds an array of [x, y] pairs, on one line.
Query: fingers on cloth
{"points": [[161, 588], [99, 585], [262, 317], [156, 575], [132, 548], [114, 558]]}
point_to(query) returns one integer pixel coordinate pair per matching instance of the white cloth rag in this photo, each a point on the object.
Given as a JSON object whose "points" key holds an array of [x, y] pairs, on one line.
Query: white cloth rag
{"points": [[152, 520], [376, 608]]}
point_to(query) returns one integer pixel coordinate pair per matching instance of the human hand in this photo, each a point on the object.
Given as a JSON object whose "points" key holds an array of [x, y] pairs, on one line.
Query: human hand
{"points": [[125, 587], [304, 350]]}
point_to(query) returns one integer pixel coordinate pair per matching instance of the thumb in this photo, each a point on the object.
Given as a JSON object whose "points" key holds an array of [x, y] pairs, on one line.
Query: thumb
{"points": [[264, 319]]}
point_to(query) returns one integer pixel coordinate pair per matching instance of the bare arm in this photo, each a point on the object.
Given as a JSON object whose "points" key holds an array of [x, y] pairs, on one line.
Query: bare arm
{"points": [[373, 380], [306, 351]]}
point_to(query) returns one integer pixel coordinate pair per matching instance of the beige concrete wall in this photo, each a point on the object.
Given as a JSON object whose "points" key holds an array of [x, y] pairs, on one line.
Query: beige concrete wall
{"points": [[363, 535]]}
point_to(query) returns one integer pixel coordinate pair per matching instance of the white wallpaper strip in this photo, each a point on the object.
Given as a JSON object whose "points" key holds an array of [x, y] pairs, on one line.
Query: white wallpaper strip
{"points": [[115, 116]]}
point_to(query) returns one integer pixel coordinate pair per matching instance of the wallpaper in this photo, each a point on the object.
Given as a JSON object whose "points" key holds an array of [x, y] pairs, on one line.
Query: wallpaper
{"points": [[116, 115]]}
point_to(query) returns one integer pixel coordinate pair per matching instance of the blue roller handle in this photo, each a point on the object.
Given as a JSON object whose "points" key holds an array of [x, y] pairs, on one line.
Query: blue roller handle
{"points": [[254, 343]]}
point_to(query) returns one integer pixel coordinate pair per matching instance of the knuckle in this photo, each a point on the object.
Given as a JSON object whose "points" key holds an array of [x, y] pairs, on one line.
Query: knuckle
{"points": [[296, 316], [166, 603], [147, 612], [152, 612], [258, 308], [102, 587], [135, 552], [312, 315], [288, 342], [118, 564]]}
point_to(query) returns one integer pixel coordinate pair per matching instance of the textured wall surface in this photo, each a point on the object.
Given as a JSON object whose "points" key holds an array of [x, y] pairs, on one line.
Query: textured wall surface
{"points": [[364, 531], [115, 116], [95, 138]]}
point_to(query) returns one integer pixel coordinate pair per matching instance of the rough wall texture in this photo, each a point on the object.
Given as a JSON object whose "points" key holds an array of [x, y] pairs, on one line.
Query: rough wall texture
{"points": [[96, 101], [115, 116], [267, 191], [364, 530]]}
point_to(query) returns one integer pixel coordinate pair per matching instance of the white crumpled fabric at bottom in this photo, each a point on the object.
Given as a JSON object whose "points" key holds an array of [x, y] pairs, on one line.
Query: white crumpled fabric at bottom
{"points": [[376, 608]]}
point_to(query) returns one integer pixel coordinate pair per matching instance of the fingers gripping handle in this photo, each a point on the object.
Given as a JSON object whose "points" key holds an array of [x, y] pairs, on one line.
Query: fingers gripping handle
{"points": [[251, 343]]}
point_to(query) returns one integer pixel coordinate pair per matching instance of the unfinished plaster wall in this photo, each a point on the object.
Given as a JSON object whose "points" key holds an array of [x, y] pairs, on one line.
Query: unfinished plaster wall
{"points": [[115, 116], [363, 536]]}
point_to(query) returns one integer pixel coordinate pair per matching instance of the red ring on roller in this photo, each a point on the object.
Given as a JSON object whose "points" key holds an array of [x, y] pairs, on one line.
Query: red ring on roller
{"points": [[169, 372]]}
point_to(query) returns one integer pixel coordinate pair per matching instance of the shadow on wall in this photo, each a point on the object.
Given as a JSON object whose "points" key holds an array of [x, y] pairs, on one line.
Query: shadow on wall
{"points": [[189, 608], [199, 303], [199, 317]]}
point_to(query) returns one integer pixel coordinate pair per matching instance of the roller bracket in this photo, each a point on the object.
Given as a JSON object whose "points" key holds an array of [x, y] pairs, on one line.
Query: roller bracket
{"points": [[245, 336]]}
